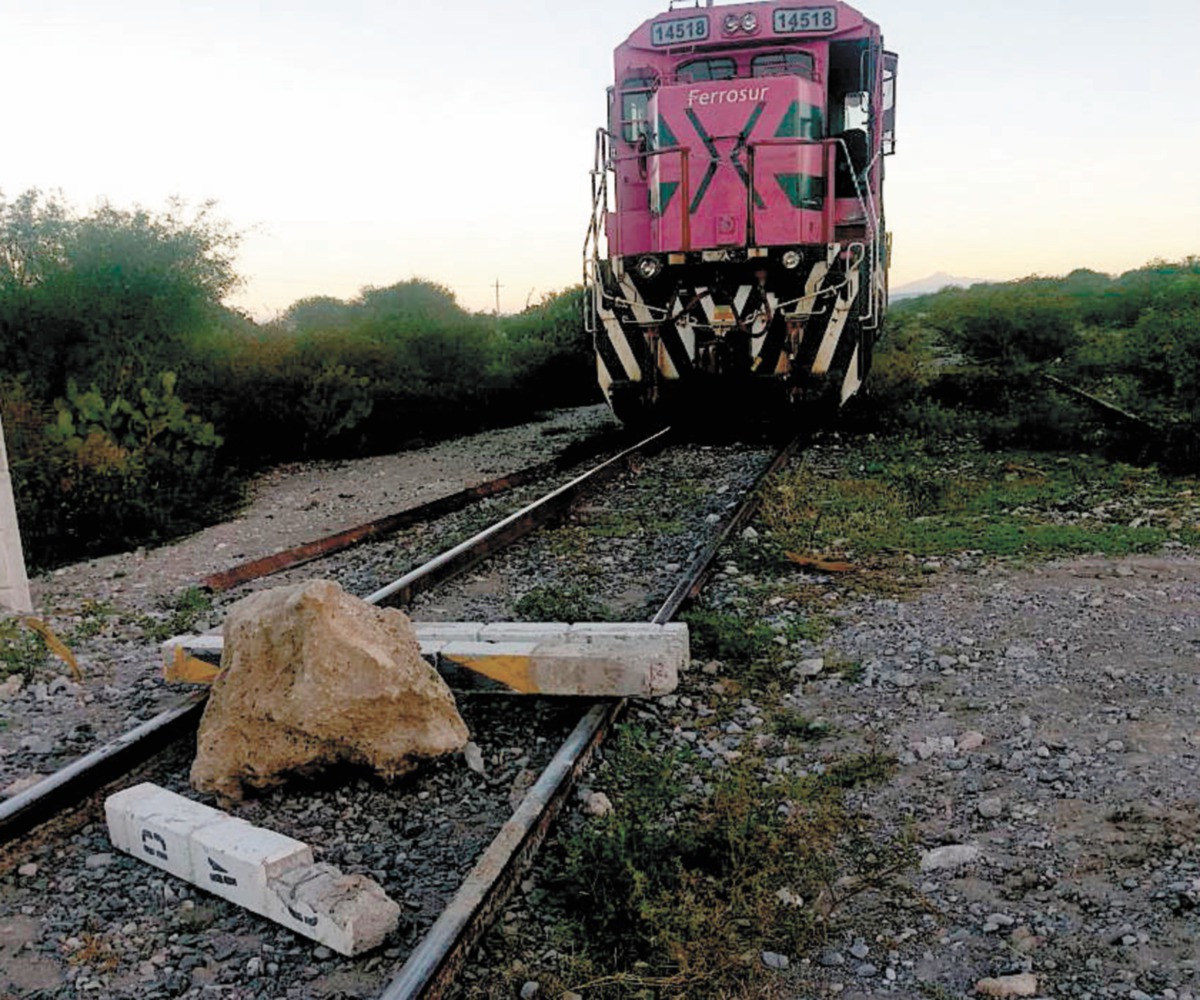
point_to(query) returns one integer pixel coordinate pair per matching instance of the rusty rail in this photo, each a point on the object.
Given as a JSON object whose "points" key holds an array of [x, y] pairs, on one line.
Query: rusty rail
{"points": [[298, 555], [1103, 406]]}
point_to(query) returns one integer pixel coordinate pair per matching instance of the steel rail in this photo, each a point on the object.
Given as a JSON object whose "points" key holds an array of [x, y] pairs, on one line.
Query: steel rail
{"points": [[73, 783], [79, 779], [502, 534], [1101, 405], [298, 555], [433, 965]]}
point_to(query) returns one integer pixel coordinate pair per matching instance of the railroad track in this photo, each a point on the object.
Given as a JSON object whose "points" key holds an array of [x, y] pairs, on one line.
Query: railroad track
{"points": [[70, 784], [435, 957]]}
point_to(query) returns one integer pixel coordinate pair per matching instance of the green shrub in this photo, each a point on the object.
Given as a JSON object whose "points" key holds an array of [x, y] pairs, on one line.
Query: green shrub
{"points": [[93, 474], [22, 650], [111, 296]]}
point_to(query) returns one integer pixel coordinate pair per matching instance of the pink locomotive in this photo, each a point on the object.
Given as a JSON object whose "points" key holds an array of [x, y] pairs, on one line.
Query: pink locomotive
{"points": [[739, 189]]}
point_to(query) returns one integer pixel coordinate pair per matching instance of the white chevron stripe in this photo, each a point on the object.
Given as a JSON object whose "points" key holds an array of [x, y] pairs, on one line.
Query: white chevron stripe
{"points": [[612, 329], [761, 322], [641, 314], [603, 377], [665, 365], [739, 300], [852, 381], [837, 322], [815, 277], [829, 344], [683, 326], [688, 335]]}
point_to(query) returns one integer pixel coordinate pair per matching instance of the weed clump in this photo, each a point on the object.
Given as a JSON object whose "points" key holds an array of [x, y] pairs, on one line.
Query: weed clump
{"points": [[901, 498], [561, 603], [22, 650], [683, 888], [727, 636], [181, 614]]}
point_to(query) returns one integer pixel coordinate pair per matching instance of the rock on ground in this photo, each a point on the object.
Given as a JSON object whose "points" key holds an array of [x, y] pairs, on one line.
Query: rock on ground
{"points": [[311, 677], [1024, 985]]}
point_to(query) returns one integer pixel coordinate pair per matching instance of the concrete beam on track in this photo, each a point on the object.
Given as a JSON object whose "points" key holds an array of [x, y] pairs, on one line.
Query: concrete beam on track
{"points": [[594, 660], [260, 870]]}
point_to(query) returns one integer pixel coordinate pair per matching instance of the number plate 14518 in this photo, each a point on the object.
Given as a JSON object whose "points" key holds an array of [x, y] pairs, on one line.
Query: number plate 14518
{"points": [[810, 19], [679, 32]]}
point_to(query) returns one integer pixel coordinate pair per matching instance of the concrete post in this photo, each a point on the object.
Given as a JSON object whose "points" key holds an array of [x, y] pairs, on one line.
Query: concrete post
{"points": [[14, 585]]}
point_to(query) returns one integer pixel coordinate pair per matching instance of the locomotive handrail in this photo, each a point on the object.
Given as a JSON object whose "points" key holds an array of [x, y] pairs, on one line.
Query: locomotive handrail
{"points": [[866, 204], [599, 174], [834, 142]]}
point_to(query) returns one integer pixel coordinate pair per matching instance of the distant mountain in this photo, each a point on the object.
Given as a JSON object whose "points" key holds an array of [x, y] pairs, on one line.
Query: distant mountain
{"points": [[934, 283]]}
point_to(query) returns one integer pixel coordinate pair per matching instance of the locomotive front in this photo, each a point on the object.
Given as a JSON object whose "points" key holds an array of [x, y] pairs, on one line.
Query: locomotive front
{"points": [[738, 189]]}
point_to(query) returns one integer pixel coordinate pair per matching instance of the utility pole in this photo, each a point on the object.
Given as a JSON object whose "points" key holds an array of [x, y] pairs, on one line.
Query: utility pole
{"points": [[14, 584], [498, 287]]}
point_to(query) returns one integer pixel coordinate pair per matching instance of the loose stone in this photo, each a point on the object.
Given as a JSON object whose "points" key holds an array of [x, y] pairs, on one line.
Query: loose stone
{"points": [[1024, 985], [474, 757], [954, 856], [596, 804]]}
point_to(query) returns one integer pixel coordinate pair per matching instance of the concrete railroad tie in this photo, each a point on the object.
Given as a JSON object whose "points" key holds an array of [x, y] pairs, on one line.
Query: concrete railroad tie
{"points": [[594, 660], [263, 871]]}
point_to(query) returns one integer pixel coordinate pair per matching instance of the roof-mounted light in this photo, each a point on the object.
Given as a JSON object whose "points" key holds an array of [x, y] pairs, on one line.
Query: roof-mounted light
{"points": [[732, 23], [749, 22]]}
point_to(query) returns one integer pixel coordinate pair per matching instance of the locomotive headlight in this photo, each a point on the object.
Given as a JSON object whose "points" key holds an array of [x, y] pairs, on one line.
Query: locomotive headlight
{"points": [[749, 22], [732, 23], [791, 259], [649, 267]]}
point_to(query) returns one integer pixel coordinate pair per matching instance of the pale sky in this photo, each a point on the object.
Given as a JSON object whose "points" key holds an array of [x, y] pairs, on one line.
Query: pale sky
{"points": [[363, 142]]}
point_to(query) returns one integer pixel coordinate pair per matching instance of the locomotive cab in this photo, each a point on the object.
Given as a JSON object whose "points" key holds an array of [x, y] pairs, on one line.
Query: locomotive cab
{"points": [[737, 249]]}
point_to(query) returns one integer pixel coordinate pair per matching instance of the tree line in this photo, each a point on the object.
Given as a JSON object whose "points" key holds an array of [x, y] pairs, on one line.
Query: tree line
{"points": [[135, 403], [972, 360]]}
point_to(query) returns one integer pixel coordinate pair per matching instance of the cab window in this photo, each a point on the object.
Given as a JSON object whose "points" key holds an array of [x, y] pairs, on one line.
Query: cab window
{"points": [[635, 103], [783, 64], [701, 70]]}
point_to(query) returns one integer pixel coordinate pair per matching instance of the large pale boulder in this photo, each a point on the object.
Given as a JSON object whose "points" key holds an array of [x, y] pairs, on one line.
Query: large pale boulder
{"points": [[312, 677]]}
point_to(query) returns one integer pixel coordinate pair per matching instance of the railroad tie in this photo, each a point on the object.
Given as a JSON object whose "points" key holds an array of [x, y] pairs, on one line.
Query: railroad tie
{"points": [[587, 659]]}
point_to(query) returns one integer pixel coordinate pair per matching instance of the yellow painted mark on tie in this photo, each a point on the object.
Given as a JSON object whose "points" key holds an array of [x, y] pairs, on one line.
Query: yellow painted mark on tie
{"points": [[515, 672], [184, 669]]}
